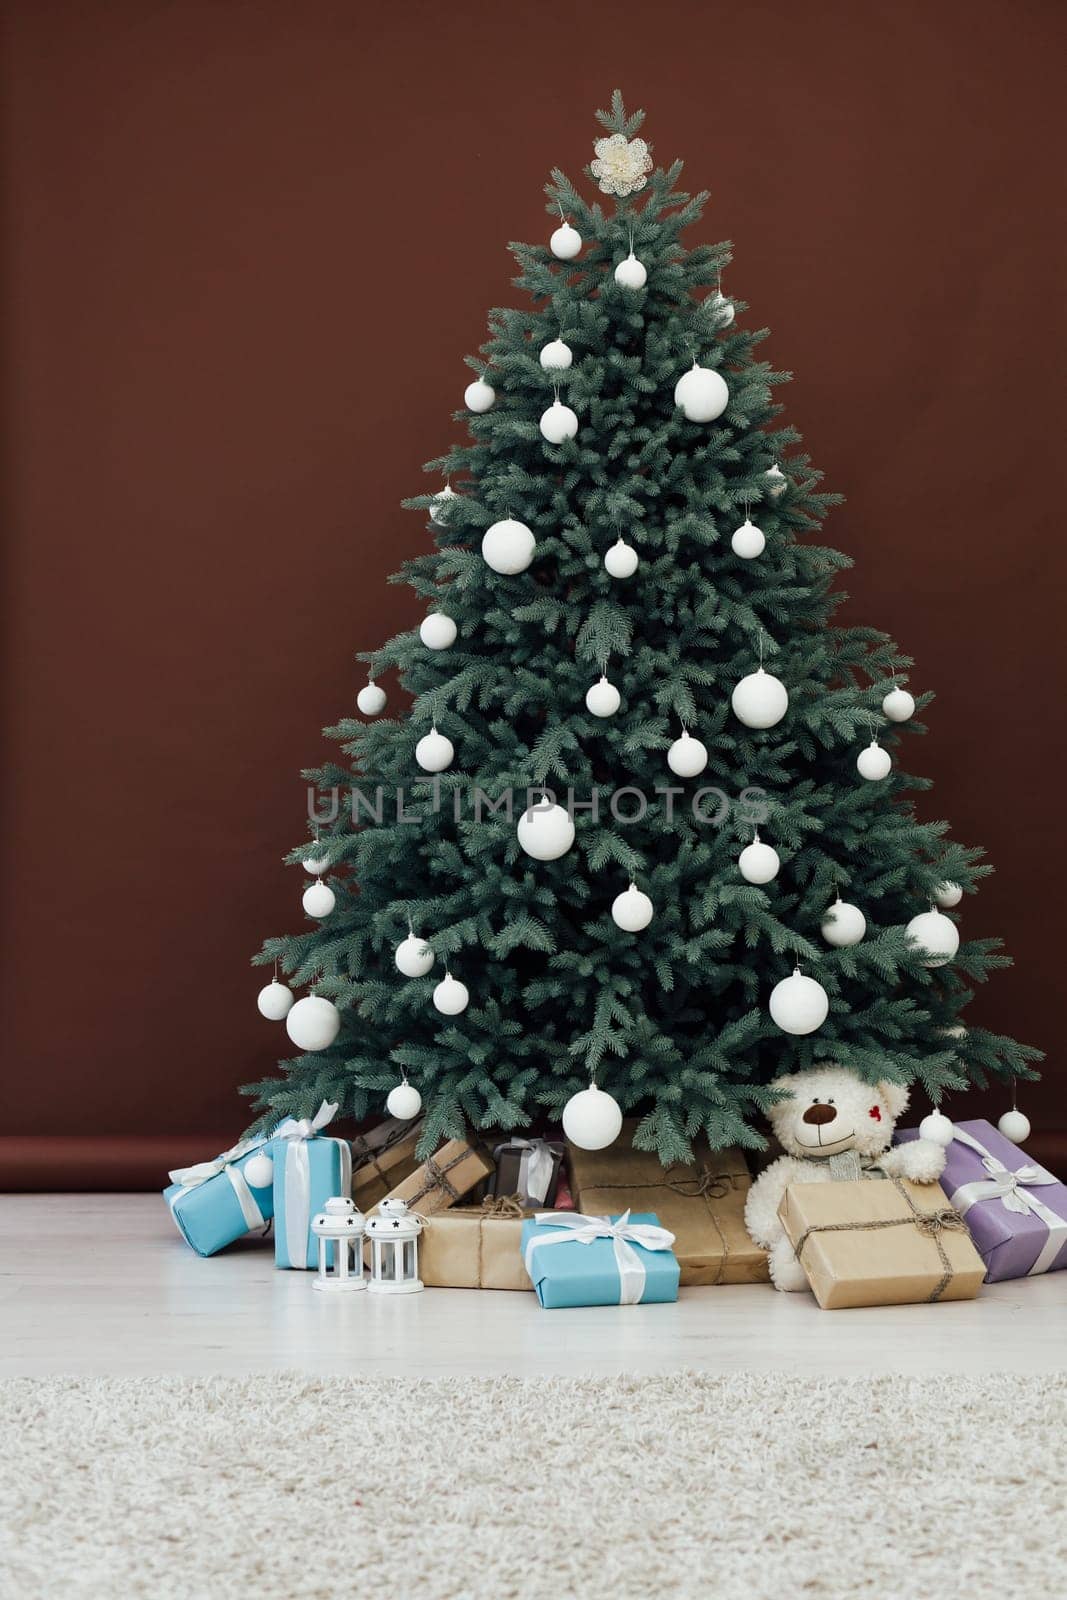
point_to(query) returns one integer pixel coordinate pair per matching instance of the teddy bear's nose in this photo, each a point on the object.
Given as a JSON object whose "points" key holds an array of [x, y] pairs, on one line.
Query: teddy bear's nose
{"points": [[819, 1114]]}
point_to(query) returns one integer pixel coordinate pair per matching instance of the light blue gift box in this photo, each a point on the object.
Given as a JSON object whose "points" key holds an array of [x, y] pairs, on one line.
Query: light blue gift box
{"points": [[578, 1260], [309, 1169], [213, 1203]]}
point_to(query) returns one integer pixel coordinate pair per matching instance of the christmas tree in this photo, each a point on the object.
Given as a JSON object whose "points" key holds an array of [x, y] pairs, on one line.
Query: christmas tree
{"points": [[643, 825]]}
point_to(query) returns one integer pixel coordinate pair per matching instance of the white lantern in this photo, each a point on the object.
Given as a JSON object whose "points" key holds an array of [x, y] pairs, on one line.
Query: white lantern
{"points": [[339, 1230], [394, 1249]]}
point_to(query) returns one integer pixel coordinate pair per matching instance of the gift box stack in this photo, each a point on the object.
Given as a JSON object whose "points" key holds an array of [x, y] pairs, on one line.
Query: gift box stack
{"points": [[615, 1227]]}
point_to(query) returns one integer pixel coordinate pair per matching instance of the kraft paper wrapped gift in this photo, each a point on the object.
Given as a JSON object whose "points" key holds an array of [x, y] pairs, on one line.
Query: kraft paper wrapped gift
{"points": [[529, 1169], [880, 1243], [703, 1205], [213, 1203], [577, 1260], [383, 1158], [1015, 1211], [309, 1169], [446, 1177], [475, 1247]]}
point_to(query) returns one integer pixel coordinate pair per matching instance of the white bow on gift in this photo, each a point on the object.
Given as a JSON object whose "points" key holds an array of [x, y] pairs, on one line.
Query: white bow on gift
{"points": [[192, 1177], [306, 1127], [297, 1168], [536, 1165], [1012, 1189], [577, 1228]]}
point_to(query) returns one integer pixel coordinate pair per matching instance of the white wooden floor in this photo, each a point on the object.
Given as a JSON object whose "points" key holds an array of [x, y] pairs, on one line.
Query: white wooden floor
{"points": [[104, 1284]]}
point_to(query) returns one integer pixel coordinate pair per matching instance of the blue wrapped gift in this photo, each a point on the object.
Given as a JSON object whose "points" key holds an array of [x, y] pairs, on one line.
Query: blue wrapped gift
{"points": [[213, 1203], [309, 1169], [576, 1260]]}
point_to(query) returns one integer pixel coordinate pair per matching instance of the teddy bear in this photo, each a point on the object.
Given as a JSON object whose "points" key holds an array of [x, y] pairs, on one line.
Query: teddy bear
{"points": [[832, 1125]]}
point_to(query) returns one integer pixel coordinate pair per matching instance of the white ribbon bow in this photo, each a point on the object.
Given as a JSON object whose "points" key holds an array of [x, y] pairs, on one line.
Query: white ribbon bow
{"points": [[577, 1228], [1012, 1189], [536, 1165], [297, 1168], [306, 1127], [190, 1178]]}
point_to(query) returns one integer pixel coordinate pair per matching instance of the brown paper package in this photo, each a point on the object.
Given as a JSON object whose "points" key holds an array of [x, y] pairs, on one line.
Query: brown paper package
{"points": [[474, 1247], [445, 1178], [863, 1260], [702, 1204], [383, 1158]]}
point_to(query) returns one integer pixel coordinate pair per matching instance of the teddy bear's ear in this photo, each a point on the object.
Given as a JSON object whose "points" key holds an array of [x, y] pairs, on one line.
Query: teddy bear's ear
{"points": [[895, 1096]]}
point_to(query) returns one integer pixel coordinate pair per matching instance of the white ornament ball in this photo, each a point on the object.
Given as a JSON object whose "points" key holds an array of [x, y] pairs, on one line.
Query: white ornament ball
{"points": [[957, 1031], [479, 395], [799, 1005], [319, 900], [758, 862], [413, 957], [508, 546], [434, 752], [556, 356], [937, 1128], [1014, 1126], [603, 699], [723, 309], [631, 910], [843, 925], [558, 423], [545, 832], [440, 505], [451, 997], [315, 865], [404, 1102], [761, 700], [938, 936], [874, 762], [748, 541], [631, 273], [777, 482], [437, 631], [565, 243], [702, 394], [371, 699], [313, 1023], [687, 756], [898, 705], [948, 895], [592, 1119], [275, 1001], [622, 559], [258, 1170]]}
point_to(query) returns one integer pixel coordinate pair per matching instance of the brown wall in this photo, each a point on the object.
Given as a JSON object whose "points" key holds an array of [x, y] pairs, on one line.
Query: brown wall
{"points": [[246, 248]]}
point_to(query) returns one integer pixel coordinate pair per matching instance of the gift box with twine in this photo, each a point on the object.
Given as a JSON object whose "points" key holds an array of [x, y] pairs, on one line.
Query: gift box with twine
{"points": [[702, 1204], [880, 1244]]}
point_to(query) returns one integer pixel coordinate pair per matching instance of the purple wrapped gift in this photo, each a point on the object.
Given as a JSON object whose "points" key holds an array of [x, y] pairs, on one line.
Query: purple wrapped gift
{"points": [[1016, 1211]]}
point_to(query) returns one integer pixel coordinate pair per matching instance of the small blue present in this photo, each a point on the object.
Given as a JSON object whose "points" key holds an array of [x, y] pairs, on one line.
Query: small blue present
{"points": [[309, 1169], [575, 1260], [214, 1203]]}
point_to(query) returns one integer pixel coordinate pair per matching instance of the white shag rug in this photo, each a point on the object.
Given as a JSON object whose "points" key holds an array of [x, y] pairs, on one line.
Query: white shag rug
{"points": [[745, 1486]]}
